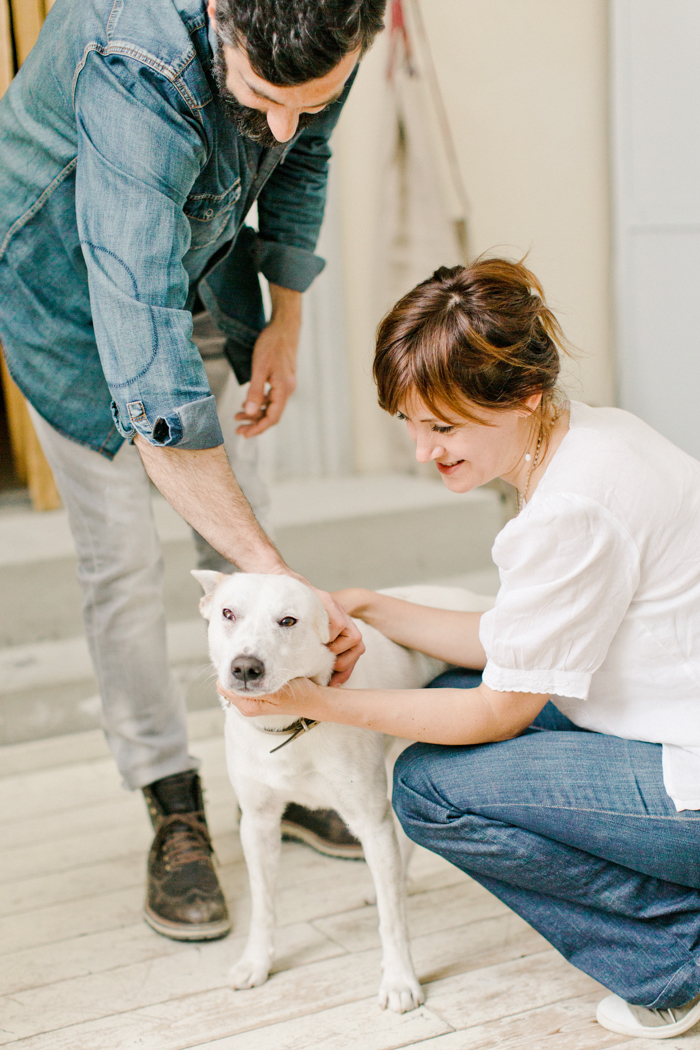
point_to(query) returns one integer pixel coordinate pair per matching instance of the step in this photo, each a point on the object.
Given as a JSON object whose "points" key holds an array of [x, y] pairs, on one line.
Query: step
{"points": [[371, 531], [383, 531]]}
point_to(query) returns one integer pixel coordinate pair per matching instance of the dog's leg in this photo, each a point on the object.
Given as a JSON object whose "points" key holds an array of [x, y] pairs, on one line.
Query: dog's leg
{"points": [[261, 812], [393, 746], [399, 988]]}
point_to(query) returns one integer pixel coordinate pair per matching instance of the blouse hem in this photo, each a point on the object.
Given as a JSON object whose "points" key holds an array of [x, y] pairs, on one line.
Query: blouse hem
{"points": [[573, 684]]}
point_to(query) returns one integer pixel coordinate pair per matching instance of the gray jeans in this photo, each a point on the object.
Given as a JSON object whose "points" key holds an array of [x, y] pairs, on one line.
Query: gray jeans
{"points": [[120, 568]]}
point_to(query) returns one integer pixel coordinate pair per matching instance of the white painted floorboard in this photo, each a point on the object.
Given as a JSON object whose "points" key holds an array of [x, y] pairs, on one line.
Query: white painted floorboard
{"points": [[80, 970]]}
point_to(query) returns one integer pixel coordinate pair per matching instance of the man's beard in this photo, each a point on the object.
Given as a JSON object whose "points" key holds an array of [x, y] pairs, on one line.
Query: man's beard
{"points": [[250, 122]]}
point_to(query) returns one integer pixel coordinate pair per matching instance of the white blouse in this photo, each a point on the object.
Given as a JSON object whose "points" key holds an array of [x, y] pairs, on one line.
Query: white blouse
{"points": [[599, 603]]}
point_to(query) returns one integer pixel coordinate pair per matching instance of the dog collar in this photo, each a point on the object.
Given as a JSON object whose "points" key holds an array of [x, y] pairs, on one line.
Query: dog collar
{"points": [[302, 725]]}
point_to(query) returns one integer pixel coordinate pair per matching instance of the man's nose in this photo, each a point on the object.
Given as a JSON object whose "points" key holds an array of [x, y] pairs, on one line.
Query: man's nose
{"points": [[282, 123]]}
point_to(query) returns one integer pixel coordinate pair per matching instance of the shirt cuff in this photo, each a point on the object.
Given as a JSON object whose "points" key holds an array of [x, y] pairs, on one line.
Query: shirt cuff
{"points": [[194, 425], [555, 683], [286, 265]]}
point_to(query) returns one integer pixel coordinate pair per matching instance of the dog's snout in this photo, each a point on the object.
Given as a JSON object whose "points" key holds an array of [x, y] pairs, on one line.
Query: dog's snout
{"points": [[247, 669]]}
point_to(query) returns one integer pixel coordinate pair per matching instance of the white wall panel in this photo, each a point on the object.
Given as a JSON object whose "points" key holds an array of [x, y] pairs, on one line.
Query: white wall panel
{"points": [[656, 147]]}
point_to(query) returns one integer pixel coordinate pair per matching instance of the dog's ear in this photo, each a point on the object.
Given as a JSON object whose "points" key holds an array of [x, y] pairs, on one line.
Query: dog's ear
{"points": [[209, 580], [321, 623]]}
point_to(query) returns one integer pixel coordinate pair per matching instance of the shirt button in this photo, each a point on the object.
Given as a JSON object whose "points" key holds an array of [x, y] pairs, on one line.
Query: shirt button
{"points": [[209, 214]]}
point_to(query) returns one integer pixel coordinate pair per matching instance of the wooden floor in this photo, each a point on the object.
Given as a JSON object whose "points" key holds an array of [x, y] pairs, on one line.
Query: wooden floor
{"points": [[80, 970]]}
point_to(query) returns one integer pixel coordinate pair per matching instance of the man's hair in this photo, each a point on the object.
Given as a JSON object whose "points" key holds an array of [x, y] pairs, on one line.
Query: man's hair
{"points": [[293, 41]]}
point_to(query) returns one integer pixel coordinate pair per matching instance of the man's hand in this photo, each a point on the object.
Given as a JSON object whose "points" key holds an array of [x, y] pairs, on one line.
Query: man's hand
{"points": [[273, 378]]}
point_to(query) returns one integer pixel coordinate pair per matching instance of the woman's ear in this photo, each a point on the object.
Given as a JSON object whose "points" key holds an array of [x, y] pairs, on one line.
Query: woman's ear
{"points": [[530, 404]]}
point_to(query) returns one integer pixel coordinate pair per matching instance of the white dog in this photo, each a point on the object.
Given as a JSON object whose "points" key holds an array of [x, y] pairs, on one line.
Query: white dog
{"points": [[264, 631]]}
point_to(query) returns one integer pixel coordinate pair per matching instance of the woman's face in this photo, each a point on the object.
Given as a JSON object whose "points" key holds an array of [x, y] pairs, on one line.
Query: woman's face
{"points": [[468, 454]]}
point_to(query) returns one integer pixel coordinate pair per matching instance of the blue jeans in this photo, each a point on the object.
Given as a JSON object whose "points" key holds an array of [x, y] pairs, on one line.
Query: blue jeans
{"points": [[574, 831]]}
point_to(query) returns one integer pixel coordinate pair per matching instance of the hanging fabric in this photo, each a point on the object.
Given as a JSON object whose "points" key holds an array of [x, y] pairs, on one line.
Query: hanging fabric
{"points": [[424, 212]]}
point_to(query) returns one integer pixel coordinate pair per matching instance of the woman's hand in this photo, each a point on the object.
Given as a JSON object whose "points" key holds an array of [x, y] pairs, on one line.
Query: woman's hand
{"points": [[345, 639], [300, 698]]}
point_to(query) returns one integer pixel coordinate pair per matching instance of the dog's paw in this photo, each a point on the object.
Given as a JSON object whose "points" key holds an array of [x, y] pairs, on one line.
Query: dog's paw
{"points": [[248, 972], [400, 994]]}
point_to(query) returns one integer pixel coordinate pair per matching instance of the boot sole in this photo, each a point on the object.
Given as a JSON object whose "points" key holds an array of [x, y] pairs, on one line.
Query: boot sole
{"points": [[190, 931], [295, 833]]}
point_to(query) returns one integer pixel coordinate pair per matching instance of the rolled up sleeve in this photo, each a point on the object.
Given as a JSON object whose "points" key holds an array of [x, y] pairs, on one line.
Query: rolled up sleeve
{"points": [[569, 571], [139, 152]]}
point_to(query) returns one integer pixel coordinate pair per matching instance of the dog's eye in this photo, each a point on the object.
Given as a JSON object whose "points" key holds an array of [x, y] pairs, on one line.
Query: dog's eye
{"points": [[288, 621], [228, 615]]}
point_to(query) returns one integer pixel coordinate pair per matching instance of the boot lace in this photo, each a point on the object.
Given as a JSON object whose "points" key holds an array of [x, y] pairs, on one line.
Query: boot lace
{"points": [[185, 840]]}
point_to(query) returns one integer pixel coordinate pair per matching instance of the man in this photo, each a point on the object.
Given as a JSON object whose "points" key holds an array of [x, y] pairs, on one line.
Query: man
{"points": [[136, 137]]}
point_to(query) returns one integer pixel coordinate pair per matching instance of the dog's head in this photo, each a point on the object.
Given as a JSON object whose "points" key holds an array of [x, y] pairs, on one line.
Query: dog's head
{"points": [[264, 631]]}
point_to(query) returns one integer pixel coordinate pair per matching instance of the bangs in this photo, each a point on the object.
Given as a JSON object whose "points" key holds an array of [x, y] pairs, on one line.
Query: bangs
{"points": [[424, 365]]}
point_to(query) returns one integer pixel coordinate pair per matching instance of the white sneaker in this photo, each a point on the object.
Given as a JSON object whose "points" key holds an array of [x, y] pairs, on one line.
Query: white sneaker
{"points": [[618, 1016]]}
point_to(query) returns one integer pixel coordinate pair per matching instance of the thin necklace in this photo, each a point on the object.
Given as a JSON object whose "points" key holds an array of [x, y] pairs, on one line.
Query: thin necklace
{"points": [[522, 496]]}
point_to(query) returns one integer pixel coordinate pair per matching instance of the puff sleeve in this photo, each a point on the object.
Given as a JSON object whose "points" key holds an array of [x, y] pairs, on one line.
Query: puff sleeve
{"points": [[569, 571]]}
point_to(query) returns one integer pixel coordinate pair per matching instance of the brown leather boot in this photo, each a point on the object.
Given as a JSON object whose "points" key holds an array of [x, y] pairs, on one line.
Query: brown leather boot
{"points": [[183, 897], [322, 829]]}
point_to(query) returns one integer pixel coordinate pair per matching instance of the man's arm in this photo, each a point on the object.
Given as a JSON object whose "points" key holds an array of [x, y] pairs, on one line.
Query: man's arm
{"points": [[290, 213], [201, 487], [273, 379]]}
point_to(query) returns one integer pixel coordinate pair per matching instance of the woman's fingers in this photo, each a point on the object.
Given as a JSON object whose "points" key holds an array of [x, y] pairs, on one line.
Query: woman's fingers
{"points": [[344, 631], [289, 700], [246, 706], [345, 638], [345, 663]]}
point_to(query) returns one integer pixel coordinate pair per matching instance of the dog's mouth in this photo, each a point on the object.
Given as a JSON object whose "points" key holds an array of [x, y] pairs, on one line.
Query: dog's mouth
{"points": [[251, 689], [258, 692]]}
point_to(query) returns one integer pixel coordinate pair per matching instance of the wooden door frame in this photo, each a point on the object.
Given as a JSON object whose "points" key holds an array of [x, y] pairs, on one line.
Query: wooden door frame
{"points": [[20, 22]]}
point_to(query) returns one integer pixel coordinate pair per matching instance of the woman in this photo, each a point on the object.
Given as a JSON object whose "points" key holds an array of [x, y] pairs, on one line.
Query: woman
{"points": [[567, 781]]}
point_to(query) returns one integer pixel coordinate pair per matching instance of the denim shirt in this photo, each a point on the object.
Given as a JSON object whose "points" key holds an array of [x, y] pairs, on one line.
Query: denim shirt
{"points": [[123, 193]]}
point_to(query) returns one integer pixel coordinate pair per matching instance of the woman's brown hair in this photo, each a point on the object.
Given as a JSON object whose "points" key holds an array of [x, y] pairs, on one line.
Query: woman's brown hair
{"points": [[470, 336]]}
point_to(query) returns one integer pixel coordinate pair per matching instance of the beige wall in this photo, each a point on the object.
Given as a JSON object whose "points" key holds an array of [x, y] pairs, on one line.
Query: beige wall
{"points": [[525, 84]]}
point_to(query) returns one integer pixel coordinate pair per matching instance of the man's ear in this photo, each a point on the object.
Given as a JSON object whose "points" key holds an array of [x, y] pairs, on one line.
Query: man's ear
{"points": [[209, 580]]}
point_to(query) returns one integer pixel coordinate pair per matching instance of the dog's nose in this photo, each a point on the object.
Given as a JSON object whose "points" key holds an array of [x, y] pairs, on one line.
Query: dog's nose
{"points": [[247, 669]]}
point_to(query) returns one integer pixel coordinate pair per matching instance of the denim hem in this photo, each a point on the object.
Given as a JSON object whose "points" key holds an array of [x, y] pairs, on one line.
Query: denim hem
{"points": [[170, 767], [666, 1000], [99, 447]]}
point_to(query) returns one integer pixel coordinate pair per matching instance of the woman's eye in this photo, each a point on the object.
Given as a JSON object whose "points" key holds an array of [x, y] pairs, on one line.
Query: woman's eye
{"points": [[400, 415], [227, 614], [442, 430], [287, 621]]}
